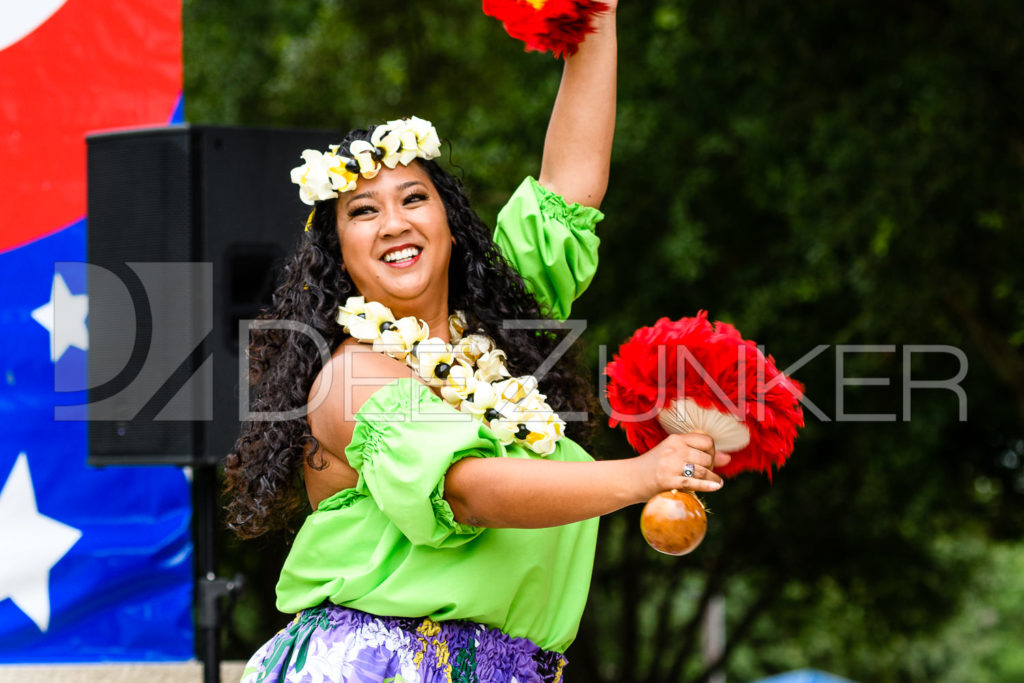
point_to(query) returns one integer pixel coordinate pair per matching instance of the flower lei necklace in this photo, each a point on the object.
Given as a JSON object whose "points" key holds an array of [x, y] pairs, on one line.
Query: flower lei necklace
{"points": [[470, 372]]}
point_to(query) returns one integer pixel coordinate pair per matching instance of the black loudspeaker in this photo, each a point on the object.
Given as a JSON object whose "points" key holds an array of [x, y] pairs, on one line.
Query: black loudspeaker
{"points": [[187, 229]]}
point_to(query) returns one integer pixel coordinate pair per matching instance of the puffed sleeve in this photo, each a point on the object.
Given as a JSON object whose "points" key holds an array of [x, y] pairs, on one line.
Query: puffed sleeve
{"points": [[551, 243], [404, 441]]}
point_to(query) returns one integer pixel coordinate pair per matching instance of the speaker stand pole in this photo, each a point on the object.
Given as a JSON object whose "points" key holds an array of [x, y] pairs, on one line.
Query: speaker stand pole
{"points": [[210, 590]]}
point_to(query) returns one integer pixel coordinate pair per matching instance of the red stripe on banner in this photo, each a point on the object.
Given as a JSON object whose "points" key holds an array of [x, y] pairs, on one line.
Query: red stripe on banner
{"points": [[95, 64]]}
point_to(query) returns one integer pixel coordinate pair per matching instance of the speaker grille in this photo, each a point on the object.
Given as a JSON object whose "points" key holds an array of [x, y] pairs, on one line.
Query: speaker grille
{"points": [[163, 344]]}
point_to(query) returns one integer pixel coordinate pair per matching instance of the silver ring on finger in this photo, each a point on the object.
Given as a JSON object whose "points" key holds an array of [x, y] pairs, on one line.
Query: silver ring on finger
{"points": [[688, 469]]}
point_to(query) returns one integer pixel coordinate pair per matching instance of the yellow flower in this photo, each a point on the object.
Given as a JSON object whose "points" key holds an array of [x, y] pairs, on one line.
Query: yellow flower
{"points": [[342, 179]]}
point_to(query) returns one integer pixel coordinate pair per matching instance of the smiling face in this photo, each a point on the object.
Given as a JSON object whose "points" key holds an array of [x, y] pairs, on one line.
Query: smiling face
{"points": [[396, 243]]}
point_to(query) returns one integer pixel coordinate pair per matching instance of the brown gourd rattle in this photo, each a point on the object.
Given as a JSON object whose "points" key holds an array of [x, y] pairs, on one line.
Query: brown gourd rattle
{"points": [[686, 376]]}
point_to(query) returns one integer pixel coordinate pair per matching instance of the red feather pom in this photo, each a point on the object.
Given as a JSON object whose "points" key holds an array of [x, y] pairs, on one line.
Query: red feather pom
{"points": [[719, 369], [555, 25]]}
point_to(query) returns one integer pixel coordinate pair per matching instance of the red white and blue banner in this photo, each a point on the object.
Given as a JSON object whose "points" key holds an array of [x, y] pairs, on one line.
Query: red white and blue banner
{"points": [[95, 563]]}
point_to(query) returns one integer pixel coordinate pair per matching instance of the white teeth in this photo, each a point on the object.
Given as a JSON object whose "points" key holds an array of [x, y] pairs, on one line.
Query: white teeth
{"points": [[401, 255]]}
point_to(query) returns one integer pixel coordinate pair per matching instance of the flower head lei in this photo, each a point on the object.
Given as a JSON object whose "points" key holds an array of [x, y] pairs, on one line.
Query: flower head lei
{"points": [[325, 175], [470, 372]]}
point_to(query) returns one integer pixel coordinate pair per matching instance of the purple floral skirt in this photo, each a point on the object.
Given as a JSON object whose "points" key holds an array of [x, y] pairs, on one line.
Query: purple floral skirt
{"points": [[331, 644]]}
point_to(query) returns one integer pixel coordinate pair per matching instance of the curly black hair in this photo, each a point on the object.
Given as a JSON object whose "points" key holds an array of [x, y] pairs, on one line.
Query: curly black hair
{"points": [[263, 474]]}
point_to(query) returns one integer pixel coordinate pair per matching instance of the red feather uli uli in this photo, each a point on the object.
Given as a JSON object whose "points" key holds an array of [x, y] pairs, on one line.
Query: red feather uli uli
{"points": [[558, 26]]}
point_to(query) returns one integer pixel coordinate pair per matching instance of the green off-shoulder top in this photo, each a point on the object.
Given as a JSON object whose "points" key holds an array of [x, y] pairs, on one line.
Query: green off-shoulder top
{"points": [[391, 545]]}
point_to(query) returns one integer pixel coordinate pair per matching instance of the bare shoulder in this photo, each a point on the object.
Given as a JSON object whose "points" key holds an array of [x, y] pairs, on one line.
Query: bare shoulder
{"points": [[354, 373]]}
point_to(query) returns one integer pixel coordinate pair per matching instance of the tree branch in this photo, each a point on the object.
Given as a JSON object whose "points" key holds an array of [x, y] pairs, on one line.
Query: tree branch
{"points": [[715, 577], [768, 595]]}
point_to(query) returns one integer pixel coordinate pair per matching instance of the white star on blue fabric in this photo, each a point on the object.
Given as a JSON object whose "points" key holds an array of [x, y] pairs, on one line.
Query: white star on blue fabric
{"points": [[31, 544], [64, 318]]}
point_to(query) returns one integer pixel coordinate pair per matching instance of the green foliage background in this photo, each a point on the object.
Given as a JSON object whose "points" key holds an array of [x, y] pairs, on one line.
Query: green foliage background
{"points": [[818, 174]]}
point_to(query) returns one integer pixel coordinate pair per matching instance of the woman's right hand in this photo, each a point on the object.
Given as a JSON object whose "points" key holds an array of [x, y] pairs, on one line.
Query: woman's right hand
{"points": [[661, 468]]}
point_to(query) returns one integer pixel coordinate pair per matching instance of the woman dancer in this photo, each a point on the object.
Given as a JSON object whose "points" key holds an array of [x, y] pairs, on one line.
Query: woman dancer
{"points": [[454, 521]]}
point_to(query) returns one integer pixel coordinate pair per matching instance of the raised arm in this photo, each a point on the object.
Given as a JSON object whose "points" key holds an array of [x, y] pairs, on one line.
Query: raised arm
{"points": [[578, 145]]}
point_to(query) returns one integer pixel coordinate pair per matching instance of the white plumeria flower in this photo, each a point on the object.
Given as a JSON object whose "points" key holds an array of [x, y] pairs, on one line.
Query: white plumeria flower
{"points": [[456, 326], [501, 416], [410, 146], [545, 446], [545, 429], [524, 416], [461, 384], [504, 429], [426, 137], [366, 326], [484, 398], [387, 140], [345, 182], [354, 305], [511, 426], [363, 152], [313, 178], [398, 340], [535, 402], [434, 360], [516, 389], [491, 366], [472, 347], [544, 425]]}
